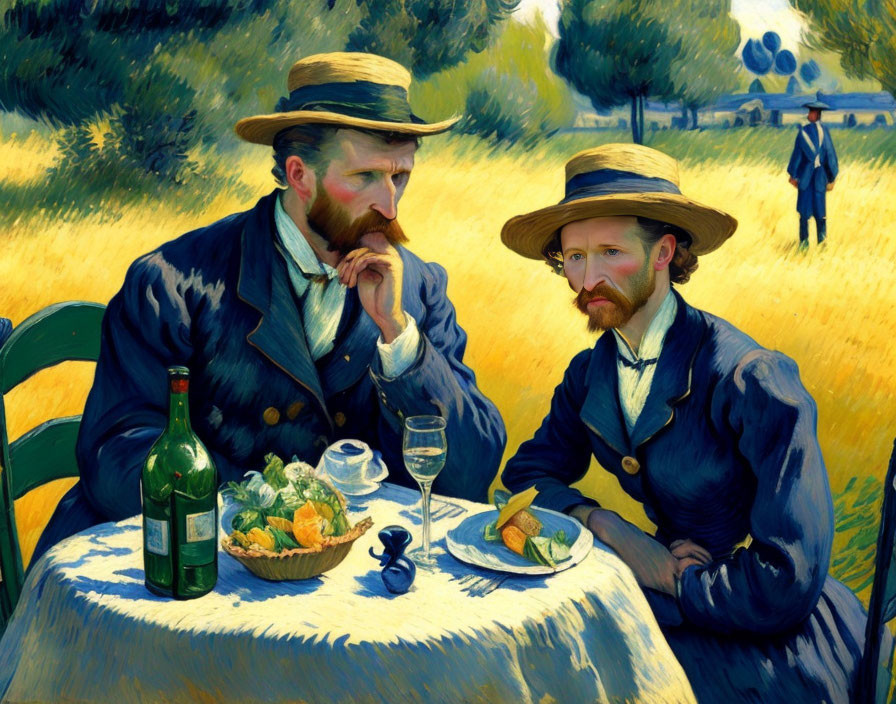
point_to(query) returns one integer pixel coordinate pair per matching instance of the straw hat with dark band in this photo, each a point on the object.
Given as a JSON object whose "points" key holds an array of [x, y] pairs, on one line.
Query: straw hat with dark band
{"points": [[620, 179], [343, 89]]}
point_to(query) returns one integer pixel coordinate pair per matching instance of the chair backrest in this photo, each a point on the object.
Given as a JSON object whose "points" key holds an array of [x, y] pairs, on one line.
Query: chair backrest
{"points": [[67, 331], [874, 676]]}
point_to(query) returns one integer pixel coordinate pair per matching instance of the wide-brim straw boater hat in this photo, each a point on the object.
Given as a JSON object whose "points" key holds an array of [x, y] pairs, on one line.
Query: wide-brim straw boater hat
{"points": [[615, 180], [344, 89]]}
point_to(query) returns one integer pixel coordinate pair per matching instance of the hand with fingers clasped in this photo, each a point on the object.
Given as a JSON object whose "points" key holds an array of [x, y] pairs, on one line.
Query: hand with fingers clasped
{"points": [[653, 565], [376, 269], [687, 553]]}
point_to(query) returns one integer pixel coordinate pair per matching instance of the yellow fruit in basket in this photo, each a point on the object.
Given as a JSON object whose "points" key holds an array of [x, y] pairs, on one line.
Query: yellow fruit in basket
{"points": [[305, 513], [262, 538], [323, 509], [240, 538], [308, 533], [279, 523]]}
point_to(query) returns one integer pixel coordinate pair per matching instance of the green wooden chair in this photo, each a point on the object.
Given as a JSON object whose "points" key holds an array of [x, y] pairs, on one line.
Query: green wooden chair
{"points": [[874, 677], [61, 332]]}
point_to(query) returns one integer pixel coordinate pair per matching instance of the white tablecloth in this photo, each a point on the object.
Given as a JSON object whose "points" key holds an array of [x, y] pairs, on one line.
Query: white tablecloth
{"points": [[86, 629]]}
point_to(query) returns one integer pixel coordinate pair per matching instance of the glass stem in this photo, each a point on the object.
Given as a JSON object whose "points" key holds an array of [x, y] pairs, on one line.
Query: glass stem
{"points": [[425, 491]]}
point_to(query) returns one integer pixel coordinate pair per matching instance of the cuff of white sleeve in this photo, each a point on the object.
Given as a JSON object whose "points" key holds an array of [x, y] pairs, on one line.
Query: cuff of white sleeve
{"points": [[400, 354]]}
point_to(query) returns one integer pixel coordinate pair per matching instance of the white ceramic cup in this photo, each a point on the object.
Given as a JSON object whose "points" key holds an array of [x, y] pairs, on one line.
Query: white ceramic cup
{"points": [[350, 463]]}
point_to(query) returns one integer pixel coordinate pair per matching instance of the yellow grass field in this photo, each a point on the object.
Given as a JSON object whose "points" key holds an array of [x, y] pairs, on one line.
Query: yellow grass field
{"points": [[831, 310]]}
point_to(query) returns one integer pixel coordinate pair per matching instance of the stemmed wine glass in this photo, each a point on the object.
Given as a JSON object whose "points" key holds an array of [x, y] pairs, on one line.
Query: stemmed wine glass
{"points": [[425, 448]]}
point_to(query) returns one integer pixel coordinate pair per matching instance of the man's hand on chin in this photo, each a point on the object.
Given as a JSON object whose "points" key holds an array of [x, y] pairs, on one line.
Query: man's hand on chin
{"points": [[376, 269]]}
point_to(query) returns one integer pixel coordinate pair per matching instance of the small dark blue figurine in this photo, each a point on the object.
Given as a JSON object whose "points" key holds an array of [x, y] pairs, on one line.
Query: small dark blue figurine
{"points": [[398, 571]]}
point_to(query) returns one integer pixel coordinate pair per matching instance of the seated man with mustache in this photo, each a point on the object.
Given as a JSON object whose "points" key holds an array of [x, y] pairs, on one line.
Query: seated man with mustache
{"points": [[712, 433], [302, 321]]}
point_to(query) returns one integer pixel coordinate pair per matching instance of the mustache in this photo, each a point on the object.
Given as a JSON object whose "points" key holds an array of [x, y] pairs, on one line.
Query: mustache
{"points": [[343, 235], [372, 222], [600, 291]]}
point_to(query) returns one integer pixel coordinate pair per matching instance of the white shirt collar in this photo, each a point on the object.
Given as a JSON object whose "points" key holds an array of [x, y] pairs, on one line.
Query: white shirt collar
{"points": [[297, 247], [652, 342]]}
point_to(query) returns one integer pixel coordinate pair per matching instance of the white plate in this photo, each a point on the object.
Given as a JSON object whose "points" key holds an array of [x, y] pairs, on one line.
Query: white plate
{"points": [[466, 543]]}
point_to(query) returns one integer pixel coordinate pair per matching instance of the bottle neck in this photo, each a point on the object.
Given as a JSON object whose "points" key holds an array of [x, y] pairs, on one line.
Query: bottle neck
{"points": [[179, 412]]}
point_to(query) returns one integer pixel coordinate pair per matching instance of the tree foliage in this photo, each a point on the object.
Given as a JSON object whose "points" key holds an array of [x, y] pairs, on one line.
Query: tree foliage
{"points": [[617, 52], [757, 57], [159, 77], [427, 36], [785, 63], [707, 65], [628, 50], [863, 32], [507, 94]]}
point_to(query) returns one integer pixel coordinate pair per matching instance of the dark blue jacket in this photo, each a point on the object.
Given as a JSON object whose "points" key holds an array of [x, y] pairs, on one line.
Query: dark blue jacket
{"points": [[727, 448], [219, 300], [802, 159], [5, 329]]}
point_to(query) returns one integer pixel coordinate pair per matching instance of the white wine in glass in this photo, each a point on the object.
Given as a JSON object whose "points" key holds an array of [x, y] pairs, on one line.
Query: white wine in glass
{"points": [[425, 449]]}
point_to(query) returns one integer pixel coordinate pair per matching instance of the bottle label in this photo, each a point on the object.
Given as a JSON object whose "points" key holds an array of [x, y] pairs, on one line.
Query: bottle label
{"points": [[200, 526], [155, 534]]}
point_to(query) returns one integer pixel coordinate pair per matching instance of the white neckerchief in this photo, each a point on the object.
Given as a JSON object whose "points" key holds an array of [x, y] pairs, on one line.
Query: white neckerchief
{"points": [[634, 384], [323, 303]]}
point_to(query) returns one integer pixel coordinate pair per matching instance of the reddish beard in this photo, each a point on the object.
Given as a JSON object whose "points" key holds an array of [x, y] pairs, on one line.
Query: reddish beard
{"points": [[620, 308], [329, 219]]}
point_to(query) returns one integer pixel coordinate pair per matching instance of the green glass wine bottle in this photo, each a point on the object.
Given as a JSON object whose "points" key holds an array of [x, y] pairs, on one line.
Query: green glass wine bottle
{"points": [[180, 504]]}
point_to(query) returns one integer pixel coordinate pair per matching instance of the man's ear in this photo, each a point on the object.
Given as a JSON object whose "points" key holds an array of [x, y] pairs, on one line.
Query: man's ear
{"points": [[665, 251], [300, 178]]}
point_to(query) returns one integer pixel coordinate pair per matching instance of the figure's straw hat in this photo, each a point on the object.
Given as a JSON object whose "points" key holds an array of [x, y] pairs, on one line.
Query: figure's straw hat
{"points": [[817, 104], [620, 179], [343, 89]]}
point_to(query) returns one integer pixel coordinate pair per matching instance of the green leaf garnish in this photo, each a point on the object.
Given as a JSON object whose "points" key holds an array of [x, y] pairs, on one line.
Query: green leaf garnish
{"points": [[247, 519], [273, 471], [283, 540], [538, 550], [490, 532], [559, 550], [560, 537]]}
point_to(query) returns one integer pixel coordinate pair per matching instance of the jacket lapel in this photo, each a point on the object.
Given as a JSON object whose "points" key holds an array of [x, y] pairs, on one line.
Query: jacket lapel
{"points": [[672, 379], [355, 345], [264, 284], [601, 411]]}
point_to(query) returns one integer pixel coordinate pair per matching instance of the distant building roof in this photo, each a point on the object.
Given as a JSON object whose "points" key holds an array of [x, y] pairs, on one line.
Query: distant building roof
{"points": [[882, 101]]}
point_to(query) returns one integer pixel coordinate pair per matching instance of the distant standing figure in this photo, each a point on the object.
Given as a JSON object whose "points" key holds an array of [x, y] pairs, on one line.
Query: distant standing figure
{"points": [[813, 169]]}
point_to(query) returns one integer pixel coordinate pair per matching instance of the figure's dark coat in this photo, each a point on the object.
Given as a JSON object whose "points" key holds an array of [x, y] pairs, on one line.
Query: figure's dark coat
{"points": [[727, 449], [812, 180], [219, 300]]}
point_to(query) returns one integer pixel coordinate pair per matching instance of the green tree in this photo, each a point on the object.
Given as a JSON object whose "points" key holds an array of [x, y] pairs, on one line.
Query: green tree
{"points": [[507, 93], [427, 36], [707, 66], [863, 32], [165, 75], [618, 51]]}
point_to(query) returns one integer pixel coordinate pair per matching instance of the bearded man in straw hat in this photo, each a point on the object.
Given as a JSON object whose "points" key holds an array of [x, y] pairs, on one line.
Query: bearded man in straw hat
{"points": [[714, 434], [303, 320], [813, 170]]}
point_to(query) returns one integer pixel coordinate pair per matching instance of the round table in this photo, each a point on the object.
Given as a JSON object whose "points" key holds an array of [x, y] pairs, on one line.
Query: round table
{"points": [[86, 629]]}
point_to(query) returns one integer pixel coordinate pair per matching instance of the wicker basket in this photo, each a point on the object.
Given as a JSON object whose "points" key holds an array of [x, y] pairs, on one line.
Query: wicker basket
{"points": [[299, 563]]}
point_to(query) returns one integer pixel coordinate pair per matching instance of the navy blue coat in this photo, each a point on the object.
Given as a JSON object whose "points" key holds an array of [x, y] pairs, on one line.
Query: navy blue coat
{"points": [[727, 449], [219, 300], [802, 167]]}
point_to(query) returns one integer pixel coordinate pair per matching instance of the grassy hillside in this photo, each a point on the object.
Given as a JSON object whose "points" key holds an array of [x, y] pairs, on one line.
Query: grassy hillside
{"points": [[830, 310]]}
